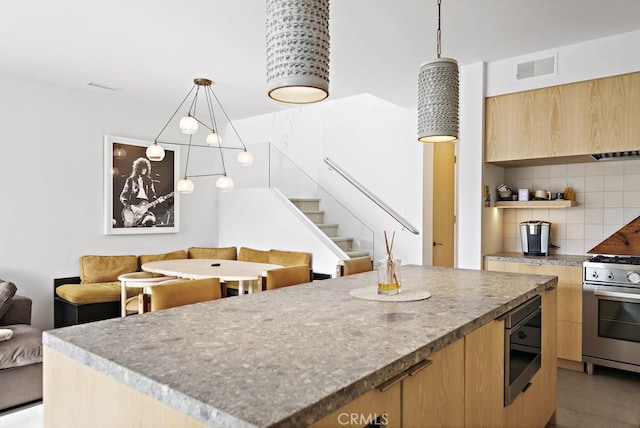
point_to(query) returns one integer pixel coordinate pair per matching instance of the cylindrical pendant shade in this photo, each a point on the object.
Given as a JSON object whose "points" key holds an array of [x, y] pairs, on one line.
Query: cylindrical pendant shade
{"points": [[298, 50], [438, 101]]}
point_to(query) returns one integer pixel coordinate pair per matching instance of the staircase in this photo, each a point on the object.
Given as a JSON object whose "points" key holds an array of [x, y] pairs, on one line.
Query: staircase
{"points": [[311, 208]]}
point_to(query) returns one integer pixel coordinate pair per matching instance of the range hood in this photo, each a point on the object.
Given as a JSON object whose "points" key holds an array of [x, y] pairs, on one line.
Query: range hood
{"points": [[616, 155]]}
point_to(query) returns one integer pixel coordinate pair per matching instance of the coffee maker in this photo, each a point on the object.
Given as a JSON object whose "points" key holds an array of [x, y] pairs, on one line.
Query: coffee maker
{"points": [[535, 237]]}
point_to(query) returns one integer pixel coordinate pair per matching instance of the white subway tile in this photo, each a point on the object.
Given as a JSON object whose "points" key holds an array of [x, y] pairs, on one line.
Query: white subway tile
{"points": [[610, 229], [631, 182], [632, 199], [589, 244], [541, 171], [613, 183], [577, 183], [559, 243], [558, 171], [594, 199], [593, 216], [558, 215], [525, 172], [525, 215], [613, 199], [541, 184], [525, 183], [631, 166], [594, 183], [594, 168], [509, 230], [509, 216], [575, 231], [613, 216], [630, 214], [593, 232], [575, 169], [575, 246], [575, 215], [510, 175], [558, 231], [613, 167]]}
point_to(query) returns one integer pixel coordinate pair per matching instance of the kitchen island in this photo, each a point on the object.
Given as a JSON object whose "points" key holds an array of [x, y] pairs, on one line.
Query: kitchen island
{"points": [[286, 357]]}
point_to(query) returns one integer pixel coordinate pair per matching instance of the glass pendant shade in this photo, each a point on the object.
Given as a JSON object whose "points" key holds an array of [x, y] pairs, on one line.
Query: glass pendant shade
{"points": [[214, 139], [245, 158], [185, 185], [438, 101], [298, 50], [224, 184], [155, 152], [188, 125]]}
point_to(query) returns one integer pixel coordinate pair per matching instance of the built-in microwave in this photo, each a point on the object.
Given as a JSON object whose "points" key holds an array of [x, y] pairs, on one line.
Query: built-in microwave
{"points": [[522, 347]]}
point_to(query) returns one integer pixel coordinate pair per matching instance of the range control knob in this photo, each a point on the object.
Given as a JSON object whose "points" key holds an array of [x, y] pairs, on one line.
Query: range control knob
{"points": [[633, 277], [610, 277], [594, 275]]}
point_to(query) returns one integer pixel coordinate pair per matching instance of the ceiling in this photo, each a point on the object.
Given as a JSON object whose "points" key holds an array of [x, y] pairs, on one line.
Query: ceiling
{"points": [[152, 49]]}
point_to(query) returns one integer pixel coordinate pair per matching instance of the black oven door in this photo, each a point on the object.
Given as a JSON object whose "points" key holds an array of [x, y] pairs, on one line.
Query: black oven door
{"points": [[611, 325], [523, 349]]}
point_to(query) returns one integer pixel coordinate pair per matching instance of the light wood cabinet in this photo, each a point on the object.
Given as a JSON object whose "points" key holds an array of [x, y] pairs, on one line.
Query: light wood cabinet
{"points": [[569, 306], [577, 119], [536, 405], [435, 396]]}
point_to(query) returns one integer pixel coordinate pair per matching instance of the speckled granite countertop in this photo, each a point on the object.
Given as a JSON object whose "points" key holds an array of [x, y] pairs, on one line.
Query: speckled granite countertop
{"points": [[290, 356], [562, 260]]}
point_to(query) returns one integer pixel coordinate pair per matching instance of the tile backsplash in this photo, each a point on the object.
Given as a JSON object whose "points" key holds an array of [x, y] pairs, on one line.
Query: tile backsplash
{"points": [[607, 195]]}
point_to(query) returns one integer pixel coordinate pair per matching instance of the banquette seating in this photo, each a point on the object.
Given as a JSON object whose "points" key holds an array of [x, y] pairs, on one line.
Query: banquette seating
{"points": [[96, 294]]}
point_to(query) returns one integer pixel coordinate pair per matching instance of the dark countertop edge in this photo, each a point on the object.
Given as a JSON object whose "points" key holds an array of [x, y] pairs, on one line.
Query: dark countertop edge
{"points": [[558, 260], [212, 416]]}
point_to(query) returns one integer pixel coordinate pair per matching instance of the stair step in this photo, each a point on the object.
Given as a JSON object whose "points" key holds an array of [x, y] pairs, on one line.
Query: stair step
{"points": [[306, 204], [315, 216], [329, 229], [355, 253], [345, 244]]}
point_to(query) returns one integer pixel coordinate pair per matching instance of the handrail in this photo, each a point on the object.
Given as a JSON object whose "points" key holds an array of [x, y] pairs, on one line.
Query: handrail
{"points": [[397, 217]]}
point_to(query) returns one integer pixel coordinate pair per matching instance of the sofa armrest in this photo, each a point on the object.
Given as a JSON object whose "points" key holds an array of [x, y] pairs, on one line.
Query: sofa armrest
{"points": [[19, 312]]}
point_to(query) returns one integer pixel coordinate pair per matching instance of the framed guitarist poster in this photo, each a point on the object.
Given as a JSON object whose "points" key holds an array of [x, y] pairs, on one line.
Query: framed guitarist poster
{"points": [[140, 195]]}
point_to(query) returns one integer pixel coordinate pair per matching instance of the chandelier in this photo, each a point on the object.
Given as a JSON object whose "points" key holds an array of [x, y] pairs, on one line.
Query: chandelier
{"points": [[189, 124]]}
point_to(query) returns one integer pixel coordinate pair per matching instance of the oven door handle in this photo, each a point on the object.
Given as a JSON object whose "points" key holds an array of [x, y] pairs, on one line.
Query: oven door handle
{"points": [[603, 293]]}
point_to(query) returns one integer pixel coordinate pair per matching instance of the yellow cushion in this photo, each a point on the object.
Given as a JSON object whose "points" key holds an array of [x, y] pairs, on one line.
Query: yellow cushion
{"points": [[250, 255], [226, 253], [93, 293], [290, 275], [105, 268], [184, 292], [289, 258], [174, 255]]}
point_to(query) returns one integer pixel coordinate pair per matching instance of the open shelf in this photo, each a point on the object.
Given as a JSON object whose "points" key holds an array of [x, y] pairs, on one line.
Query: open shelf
{"points": [[562, 203]]}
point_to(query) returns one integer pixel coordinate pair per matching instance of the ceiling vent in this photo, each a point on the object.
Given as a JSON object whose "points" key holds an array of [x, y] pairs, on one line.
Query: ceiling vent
{"points": [[537, 67], [616, 155]]}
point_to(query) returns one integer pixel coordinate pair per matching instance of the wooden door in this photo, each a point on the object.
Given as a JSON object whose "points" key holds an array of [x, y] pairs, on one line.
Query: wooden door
{"points": [[444, 191]]}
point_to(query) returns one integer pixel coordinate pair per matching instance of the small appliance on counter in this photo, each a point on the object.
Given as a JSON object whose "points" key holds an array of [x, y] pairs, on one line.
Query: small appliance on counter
{"points": [[535, 237]]}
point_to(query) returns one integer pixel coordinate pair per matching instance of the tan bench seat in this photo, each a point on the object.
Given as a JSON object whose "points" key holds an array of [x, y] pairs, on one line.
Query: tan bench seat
{"points": [[82, 294]]}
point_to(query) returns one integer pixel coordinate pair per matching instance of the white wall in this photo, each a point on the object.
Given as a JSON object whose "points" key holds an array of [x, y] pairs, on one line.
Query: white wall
{"points": [[374, 141], [470, 153], [51, 172]]}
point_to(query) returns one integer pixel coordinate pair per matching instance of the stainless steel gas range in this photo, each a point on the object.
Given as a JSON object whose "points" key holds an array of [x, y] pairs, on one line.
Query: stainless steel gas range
{"points": [[611, 312]]}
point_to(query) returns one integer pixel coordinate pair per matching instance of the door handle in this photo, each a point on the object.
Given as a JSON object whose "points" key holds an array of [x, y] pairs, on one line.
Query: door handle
{"points": [[437, 243], [603, 293]]}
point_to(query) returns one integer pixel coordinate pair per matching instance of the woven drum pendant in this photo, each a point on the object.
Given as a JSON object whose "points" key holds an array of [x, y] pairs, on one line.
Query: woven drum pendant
{"points": [[438, 101], [298, 50]]}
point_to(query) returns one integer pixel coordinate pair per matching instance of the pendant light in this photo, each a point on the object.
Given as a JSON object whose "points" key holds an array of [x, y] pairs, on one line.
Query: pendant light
{"points": [[438, 98], [298, 50], [189, 124]]}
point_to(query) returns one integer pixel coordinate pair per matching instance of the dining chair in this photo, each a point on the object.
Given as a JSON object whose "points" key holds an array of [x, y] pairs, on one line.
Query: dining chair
{"points": [[246, 254], [292, 258], [354, 265], [285, 276], [184, 292]]}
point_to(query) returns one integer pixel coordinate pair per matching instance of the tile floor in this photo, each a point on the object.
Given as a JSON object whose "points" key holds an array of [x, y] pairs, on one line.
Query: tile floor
{"points": [[608, 399]]}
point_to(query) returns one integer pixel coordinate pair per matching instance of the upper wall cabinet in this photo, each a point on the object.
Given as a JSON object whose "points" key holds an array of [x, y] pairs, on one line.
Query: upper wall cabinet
{"points": [[564, 124]]}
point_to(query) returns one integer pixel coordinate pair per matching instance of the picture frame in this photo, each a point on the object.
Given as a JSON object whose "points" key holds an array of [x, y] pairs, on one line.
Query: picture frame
{"points": [[146, 202]]}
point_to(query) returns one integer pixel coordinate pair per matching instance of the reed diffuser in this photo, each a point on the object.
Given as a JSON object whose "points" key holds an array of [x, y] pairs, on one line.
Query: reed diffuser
{"points": [[389, 270]]}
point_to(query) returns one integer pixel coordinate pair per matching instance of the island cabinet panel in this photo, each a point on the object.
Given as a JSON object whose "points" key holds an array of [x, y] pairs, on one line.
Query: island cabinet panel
{"points": [[373, 407], [569, 312], [99, 400], [434, 396], [484, 376], [577, 119], [536, 405]]}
